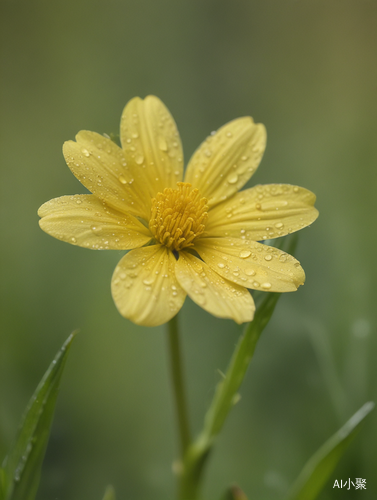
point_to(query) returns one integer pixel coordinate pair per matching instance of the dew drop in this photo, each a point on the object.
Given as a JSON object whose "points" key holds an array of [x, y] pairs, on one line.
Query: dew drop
{"points": [[266, 286], [267, 257], [139, 159], [249, 272], [78, 201], [244, 254], [221, 265], [122, 179], [85, 152], [232, 179], [279, 225], [148, 281], [73, 239]]}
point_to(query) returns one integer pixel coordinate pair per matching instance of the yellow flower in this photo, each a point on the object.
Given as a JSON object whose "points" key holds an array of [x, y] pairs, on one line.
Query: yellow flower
{"points": [[196, 237]]}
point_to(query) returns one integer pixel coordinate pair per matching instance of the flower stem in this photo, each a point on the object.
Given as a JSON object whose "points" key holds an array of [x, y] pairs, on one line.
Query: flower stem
{"points": [[178, 386]]}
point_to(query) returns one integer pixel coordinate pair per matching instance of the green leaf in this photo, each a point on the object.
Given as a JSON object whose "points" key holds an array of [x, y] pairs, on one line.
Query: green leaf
{"points": [[24, 462], [109, 493], [318, 469], [226, 395]]}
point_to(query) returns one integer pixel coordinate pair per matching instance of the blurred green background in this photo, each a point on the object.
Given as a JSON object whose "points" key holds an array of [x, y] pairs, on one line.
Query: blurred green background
{"points": [[308, 70]]}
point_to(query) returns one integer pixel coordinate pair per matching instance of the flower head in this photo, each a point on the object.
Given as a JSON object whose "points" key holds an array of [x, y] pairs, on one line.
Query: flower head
{"points": [[194, 234]]}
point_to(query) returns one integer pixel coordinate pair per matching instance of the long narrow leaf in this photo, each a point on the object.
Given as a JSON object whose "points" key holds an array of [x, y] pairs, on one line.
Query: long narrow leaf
{"points": [[320, 466], [23, 464], [226, 394]]}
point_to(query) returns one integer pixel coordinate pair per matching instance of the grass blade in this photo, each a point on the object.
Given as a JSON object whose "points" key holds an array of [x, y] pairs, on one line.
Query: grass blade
{"points": [[318, 469], [23, 464]]}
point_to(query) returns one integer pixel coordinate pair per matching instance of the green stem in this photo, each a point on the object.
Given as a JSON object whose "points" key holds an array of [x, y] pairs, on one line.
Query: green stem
{"points": [[178, 386]]}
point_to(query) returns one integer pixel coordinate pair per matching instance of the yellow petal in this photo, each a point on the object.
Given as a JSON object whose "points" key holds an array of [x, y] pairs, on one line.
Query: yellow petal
{"points": [[144, 286], [263, 212], [99, 164], [252, 264], [151, 143], [86, 221], [210, 291], [226, 160]]}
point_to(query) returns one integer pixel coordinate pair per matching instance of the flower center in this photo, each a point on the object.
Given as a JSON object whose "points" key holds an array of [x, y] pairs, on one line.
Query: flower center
{"points": [[178, 216]]}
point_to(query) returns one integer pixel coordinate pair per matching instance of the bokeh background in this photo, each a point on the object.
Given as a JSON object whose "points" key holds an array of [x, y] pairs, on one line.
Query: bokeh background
{"points": [[308, 70]]}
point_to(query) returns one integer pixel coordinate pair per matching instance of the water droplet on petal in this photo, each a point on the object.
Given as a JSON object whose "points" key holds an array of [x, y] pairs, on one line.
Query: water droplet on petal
{"points": [[267, 257], [148, 281], [279, 225], [139, 159], [244, 254], [221, 265], [266, 286], [249, 272], [232, 179], [122, 179]]}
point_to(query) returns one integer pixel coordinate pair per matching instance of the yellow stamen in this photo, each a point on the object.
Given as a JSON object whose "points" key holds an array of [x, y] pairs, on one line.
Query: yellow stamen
{"points": [[178, 216]]}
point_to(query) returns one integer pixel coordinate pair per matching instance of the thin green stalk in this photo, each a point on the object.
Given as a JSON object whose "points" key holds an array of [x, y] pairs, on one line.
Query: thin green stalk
{"points": [[178, 386]]}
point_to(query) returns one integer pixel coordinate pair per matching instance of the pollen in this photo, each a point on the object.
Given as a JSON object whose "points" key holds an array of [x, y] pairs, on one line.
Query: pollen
{"points": [[178, 216]]}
